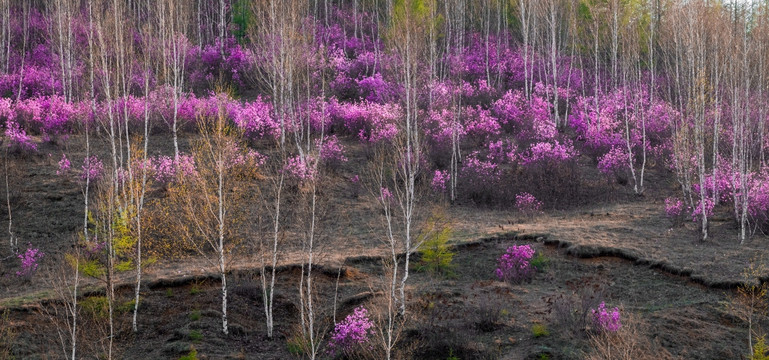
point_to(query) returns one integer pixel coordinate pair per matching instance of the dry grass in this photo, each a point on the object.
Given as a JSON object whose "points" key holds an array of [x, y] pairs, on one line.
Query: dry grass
{"points": [[630, 342]]}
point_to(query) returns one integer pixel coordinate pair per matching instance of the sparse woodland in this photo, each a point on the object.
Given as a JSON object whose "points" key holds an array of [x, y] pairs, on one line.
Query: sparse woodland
{"points": [[315, 158]]}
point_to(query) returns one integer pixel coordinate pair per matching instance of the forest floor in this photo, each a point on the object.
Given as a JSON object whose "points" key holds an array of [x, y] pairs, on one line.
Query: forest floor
{"points": [[469, 315], [660, 273]]}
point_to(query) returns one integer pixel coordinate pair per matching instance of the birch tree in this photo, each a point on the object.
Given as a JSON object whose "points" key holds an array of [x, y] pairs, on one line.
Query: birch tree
{"points": [[211, 199]]}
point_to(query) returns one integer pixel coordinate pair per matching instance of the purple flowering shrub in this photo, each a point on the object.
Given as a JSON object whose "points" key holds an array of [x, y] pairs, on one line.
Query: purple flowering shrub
{"points": [[478, 176], [480, 124], [550, 153], [527, 120], [165, 169], [207, 64], [64, 165], [440, 178], [604, 320], [92, 169], [549, 171], [331, 151], [18, 138], [674, 208], [353, 331], [300, 169], [514, 265], [706, 205], [615, 163], [29, 261], [255, 119], [527, 204], [758, 204], [371, 122]]}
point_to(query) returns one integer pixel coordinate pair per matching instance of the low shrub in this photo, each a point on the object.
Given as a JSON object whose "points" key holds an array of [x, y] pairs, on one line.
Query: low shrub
{"points": [[514, 266], [540, 262], [631, 341], [436, 254], [29, 261], [606, 321], [193, 355], [760, 350], [353, 331], [527, 204], [539, 330], [96, 306], [195, 335], [571, 309]]}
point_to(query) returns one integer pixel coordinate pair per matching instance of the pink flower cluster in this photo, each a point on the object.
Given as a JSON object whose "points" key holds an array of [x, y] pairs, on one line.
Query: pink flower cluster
{"points": [[331, 151], [674, 207], [29, 261], [606, 321], [515, 264], [480, 124], [255, 118], [92, 169], [698, 208], [166, 169], [441, 125], [385, 196], [64, 165], [354, 330], [440, 177], [18, 138], [372, 122], [300, 168], [614, 161], [548, 152], [250, 158], [527, 119], [527, 204]]}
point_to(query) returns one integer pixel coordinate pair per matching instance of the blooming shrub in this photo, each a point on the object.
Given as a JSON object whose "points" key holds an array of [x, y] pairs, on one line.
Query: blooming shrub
{"points": [[92, 169], [697, 211], [48, 115], [375, 89], [240, 160], [614, 161], [439, 180], [758, 206], [300, 169], [527, 204], [331, 152], [29, 261], [18, 138], [478, 177], [441, 125], [528, 120], [674, 207], [163, 169], [385, 196], [372, 122], [64, 165], [547, 152], [604, 320], [354, 330], [255, 119], [515, 264], [480, 124]]}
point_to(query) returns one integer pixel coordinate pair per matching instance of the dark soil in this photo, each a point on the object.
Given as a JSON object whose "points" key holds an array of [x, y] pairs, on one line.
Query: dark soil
{"points": [[471, 315]]}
